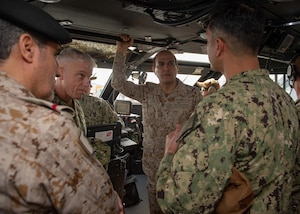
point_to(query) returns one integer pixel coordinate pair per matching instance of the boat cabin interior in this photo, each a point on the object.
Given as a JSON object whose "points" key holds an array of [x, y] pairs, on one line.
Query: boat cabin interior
{"points": [[176, 25]]}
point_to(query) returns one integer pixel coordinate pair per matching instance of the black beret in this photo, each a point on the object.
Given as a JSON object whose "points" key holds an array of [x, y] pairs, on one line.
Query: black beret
{"points": [[29, 17]]}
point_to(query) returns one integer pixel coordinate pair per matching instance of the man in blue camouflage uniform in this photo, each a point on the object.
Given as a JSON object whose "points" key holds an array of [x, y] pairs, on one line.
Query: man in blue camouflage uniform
{"points": [[46, 164], [164, 105], [250, 124]]}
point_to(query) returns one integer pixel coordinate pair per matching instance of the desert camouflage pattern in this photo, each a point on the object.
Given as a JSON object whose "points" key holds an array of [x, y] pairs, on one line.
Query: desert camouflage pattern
{"points": [[251, 124], [98, 111], [161, 112], [46, 164], [79, 114]]}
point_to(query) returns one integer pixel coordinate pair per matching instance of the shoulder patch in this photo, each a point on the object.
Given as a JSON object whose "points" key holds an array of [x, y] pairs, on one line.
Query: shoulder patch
{"points": [[188, 127]]}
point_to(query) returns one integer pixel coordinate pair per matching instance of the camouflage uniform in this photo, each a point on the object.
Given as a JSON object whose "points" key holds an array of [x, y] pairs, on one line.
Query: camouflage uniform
{"points": [[161, 112], [44, 165], [250, 123], [98, 111], [296, 188], [79, 115]]}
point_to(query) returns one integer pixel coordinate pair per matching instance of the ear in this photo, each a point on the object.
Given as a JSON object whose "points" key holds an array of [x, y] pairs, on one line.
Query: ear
{"points": [[219, 46], [154, 70], [177, 68], [60, 72], [27, 47]]}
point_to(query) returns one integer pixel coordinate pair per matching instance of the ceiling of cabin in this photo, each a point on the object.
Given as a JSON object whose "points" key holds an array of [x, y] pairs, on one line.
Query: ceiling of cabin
{"points": [[176, 24]]}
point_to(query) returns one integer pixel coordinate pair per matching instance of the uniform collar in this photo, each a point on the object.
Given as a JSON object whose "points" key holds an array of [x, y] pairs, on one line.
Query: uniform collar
{"points": [[11, 86], [255, 72]]}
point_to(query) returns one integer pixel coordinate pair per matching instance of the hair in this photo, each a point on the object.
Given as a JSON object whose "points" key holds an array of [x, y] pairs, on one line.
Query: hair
{"points": [[73, 53], [295, 68], [240, 23], [9, 36], [167, 51]]}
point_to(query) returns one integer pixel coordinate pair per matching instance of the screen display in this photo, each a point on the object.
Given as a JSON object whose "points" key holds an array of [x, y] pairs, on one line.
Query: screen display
{"points": [[105, 132], [123, 107]]}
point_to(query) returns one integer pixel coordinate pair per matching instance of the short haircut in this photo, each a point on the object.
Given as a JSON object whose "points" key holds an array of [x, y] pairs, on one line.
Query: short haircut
{"points": [[9, 36], [242, 22], [73, 53], [167, 51]]}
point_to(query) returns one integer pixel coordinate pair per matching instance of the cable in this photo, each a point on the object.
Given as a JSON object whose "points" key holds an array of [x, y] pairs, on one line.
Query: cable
{"points": [[166, 6], [174, 14], [179, 22]]}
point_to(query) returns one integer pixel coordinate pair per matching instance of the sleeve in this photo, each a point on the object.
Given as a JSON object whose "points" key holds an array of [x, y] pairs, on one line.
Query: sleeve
{"points": [[57, 172], [79, 117], [296, 185], [119, 80], [199, 96], [192, 181], [94, 191]]}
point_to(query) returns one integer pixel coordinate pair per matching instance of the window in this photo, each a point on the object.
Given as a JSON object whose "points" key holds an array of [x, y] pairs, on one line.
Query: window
{"points": [[103, 75]]}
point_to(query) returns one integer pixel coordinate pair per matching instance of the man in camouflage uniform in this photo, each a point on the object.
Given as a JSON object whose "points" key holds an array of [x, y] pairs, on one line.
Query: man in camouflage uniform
{"points": [[46, 164], [250, 124], [164, 105], [75, 69], [294, 78], [98, 111]]}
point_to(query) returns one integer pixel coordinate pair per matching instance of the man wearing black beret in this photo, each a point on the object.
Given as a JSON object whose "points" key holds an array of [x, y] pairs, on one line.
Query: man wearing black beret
{"points": [[46, 164]]}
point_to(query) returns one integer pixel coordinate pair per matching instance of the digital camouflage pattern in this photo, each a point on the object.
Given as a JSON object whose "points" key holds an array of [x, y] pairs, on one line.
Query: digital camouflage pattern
{"points": [[251, 124], [44, 166], [98, 111], [101, 150], [79, 114], [161, 112], [296, 188]]}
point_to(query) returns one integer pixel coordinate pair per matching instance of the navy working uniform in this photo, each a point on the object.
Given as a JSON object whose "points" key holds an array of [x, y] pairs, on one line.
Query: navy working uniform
{"points": [[251, 124], [98, 111]]}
